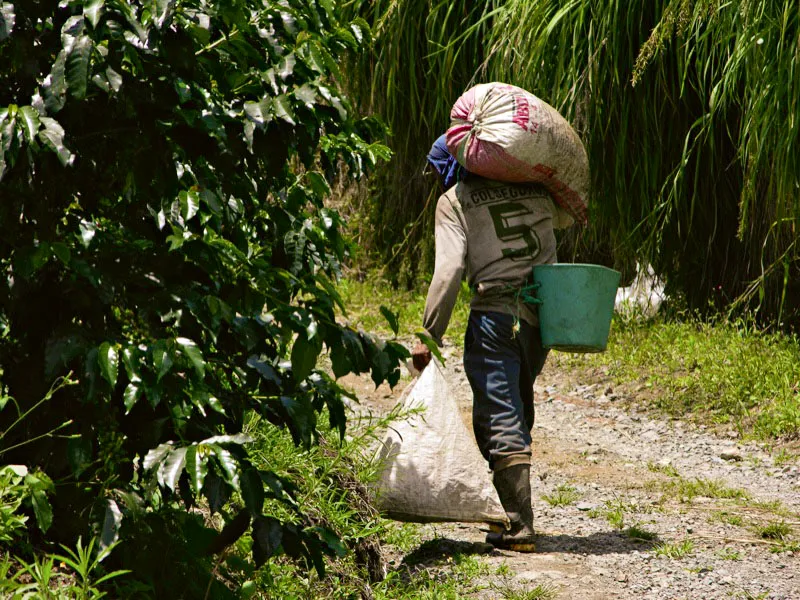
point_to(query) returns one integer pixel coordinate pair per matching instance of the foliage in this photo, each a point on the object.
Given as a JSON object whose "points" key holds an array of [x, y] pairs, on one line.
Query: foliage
{"points": [[674, 550], [722, 371], [563, 495], [76, 576], [688, 109], [365, 297], [164, 166]]}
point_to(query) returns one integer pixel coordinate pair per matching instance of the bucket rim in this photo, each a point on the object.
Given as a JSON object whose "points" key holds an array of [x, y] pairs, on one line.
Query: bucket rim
{"points": [[584, 265]]}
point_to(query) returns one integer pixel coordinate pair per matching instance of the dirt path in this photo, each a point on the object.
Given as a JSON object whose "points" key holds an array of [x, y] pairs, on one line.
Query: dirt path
{"points": [[606, 476]]}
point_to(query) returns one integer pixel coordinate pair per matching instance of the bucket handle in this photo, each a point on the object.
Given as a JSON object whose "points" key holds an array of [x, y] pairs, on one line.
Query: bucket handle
{"points": [[527, 293]]}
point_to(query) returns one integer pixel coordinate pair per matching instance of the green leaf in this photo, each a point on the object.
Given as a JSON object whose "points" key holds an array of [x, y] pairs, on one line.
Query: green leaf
{"points": [[196, 466], [252, 490], [193, 353], [318, 184], [30, 122], [228, 463], [109, 535], [162, 360], [163, 11], [7, 18], [108, 361], [87, 234], [170, 470], [267, 537], [93, 10], [61, 251], [77, 68], [304, 357], [131, 396], [52, 136], [54, 87], [432, 345], [190, 204], [283, 109], [238, 439], [42, 510], [156, 455], [79, 454], [259, 112], [392, 319]]}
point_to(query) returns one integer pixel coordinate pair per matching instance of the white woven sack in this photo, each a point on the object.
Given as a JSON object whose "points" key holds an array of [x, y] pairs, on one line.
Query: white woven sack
{"points": [[432, 468], [505, 133]]}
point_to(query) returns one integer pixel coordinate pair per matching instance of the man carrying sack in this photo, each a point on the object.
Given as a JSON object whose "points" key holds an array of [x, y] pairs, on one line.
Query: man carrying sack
{"points": [[496, 231]]}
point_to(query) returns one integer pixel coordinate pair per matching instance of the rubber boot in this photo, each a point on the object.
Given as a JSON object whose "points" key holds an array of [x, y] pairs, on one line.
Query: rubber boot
{"points": [[513, 485]]}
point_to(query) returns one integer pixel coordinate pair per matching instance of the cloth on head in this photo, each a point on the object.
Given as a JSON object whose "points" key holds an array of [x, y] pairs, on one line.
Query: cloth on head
{"points": [[445, 163]]}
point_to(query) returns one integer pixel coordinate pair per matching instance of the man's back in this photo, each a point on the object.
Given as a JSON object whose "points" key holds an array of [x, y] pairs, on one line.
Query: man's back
{"points": [[498, 231]]}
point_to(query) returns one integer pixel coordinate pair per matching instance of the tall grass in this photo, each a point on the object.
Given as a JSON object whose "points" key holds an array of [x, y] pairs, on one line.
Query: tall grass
{"points": [[690, 111]]}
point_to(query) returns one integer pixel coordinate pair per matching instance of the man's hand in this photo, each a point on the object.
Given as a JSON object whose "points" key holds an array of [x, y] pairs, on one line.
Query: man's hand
{"points": [[420, 356]]}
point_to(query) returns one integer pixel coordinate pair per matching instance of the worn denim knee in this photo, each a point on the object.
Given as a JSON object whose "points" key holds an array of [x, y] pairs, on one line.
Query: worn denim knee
{"points": [[501, 362]]}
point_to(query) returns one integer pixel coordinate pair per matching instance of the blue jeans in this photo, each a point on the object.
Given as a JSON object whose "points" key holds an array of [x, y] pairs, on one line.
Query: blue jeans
{"points": [[501, 366]]}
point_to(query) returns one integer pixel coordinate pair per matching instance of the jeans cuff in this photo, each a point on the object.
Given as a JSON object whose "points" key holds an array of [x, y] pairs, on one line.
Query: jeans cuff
{"points": [[510, 460]]}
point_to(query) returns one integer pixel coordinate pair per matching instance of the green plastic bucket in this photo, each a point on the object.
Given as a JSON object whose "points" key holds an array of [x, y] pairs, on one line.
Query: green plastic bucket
{"points": [[577, 302]]}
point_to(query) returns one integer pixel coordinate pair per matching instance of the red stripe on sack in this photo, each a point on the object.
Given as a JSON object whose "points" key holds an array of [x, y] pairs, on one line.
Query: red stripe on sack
{"points": [[463, 105], [455, 136], [521, 113]]}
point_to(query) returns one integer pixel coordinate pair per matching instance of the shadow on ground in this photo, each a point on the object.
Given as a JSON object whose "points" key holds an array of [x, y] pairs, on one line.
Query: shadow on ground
{"points": [[442, 550], [603, 542]]}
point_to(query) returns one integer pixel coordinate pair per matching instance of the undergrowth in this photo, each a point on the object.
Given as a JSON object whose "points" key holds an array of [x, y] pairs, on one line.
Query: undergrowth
{"points": [[364, 299], [334, 488], [717, 371]]}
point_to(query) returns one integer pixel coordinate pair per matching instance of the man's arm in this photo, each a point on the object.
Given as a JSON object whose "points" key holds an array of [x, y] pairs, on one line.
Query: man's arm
{"points": [[451, 253]]}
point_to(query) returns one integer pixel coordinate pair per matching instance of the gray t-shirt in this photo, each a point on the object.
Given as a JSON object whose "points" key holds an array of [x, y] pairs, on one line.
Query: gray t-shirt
{"points": [[497, 231]]}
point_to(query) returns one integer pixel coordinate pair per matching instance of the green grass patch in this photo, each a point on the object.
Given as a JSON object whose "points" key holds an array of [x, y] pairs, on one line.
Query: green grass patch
{"points": [[637, 532], [784, 546], [526, 592], [776, 530], [717, 372], [687, 490], [730, 554], [663, 468], [613, 511], [727, 518], [365, 298], [674, 550], [564, 495]]}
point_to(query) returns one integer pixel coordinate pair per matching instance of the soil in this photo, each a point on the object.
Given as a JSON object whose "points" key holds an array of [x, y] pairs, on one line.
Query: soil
{"points": [[626, 461]]}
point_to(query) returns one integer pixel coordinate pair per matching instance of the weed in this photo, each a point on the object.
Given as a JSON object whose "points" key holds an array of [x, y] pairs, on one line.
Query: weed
{"points": [[688, 489], [699, 569], [784, 546], [404, 536], [636, 532], [715, 372], [364, 299], [563, 496], [614, 511], [784, 457], [730, 554], [666, 469], [510, 590], [503, 570], [777, 530], [748, 595], [775, 507], [726, 517], [674, 550]]}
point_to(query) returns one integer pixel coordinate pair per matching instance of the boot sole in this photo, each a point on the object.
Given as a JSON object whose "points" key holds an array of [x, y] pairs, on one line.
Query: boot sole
{"points": [[501, 544], [521, 547]]}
